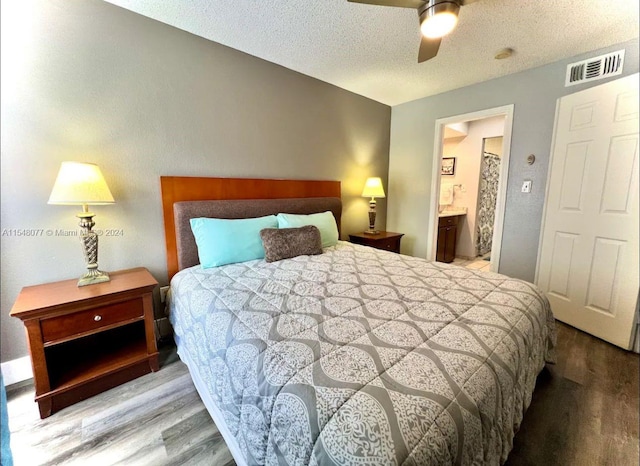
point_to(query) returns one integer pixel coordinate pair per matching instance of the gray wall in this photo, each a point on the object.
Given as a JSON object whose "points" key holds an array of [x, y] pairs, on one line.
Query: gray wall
{"points": [[534, 94], [89, 81]]}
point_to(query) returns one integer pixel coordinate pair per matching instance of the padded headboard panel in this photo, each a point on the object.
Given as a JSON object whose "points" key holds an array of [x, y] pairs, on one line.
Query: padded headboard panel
{"points": [[233, 209]]}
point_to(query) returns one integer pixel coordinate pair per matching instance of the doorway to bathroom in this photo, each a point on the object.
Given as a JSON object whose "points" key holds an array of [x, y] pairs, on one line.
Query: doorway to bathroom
{"points": [[469, 179]]}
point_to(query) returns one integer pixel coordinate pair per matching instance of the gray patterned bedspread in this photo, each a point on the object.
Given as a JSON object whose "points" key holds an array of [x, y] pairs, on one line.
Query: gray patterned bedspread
{"points": [[364, 357]]}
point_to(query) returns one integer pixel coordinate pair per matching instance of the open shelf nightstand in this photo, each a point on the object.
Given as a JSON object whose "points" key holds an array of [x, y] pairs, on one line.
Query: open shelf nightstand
{"points": [[85, 340]]}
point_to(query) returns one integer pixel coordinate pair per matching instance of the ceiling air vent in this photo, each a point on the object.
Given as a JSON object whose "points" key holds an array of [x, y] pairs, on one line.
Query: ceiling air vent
{"points": [[595, 68]]}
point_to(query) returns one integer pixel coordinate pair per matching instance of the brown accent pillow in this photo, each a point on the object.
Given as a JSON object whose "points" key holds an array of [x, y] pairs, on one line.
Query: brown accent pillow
{"points": [[285, 243]]}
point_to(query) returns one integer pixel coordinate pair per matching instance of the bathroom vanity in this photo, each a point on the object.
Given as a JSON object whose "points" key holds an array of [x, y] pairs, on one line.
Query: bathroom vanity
{"points": [[447, 234]]}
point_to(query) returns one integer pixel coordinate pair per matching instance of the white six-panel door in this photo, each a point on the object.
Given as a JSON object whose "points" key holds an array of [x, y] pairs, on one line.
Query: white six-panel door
{"points": [[588, 261]]}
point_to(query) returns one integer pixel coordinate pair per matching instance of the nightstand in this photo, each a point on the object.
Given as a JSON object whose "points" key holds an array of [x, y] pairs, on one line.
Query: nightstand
{"points": [[386, 240], [86, 340]]}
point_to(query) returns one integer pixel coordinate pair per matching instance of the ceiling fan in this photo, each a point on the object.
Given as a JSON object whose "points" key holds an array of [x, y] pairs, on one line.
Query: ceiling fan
{"points": [[437, 19]]}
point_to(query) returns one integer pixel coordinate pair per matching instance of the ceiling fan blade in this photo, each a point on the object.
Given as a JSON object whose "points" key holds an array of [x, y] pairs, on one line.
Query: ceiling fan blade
{"points": [[396, 3], [428, 48]]}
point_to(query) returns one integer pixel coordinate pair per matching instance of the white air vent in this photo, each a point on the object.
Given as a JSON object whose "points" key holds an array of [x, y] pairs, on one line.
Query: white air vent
{"points": [[595, 68]]}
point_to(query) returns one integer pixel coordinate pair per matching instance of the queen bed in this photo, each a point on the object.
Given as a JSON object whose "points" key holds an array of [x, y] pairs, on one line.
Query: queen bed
{"points": [[355, 356]]}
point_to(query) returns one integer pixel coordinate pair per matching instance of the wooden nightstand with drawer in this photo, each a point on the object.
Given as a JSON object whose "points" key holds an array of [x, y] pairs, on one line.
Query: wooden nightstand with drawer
{"points": [[386, 240], [85, 340]]}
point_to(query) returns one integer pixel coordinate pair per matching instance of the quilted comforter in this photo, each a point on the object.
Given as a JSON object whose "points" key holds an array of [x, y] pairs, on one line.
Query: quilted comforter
{"points": [[363, 357]]}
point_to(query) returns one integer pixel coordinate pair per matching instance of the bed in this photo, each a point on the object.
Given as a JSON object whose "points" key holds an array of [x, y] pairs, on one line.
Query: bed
{"points": [[354, 356]]}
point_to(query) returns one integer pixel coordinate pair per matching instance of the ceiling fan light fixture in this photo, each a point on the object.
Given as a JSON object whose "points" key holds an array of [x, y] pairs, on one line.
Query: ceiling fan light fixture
{"points": [[439, 18]]}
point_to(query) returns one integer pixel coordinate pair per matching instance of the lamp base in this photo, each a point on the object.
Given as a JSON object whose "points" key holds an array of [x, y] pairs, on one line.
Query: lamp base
{"points": [[92, 277], [89, 241], [372, 218]]}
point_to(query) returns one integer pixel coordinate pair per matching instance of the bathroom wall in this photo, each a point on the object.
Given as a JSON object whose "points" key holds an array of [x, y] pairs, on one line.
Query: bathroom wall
{"points": [[468, 153], [494, 145]]}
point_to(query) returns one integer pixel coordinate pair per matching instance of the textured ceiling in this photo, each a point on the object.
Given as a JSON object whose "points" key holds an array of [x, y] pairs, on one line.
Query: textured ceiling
{"points": [[372, 50]]}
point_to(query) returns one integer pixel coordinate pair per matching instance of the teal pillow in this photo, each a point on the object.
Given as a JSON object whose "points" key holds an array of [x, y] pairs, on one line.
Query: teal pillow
{"points": [[325, 222], [221, 241]]}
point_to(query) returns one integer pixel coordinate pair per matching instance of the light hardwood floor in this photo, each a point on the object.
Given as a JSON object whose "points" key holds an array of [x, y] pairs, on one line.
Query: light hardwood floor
{"points": [[584, 412]]}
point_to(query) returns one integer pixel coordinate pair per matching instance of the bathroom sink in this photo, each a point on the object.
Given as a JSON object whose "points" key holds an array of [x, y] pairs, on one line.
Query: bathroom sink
{"points": [[452, 213]]}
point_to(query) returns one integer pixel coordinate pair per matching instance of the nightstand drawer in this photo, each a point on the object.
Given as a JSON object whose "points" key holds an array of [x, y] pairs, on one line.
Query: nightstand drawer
{"points": [[385, 240], [59, 328], [390, 244]]}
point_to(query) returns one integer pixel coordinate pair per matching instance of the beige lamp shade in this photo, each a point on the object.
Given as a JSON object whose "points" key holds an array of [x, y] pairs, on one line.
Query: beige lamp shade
{"points": [[373, 188], [80, 184]]}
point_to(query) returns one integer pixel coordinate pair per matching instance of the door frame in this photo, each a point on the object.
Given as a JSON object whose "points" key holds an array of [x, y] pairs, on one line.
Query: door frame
{"points": [[546, 191], [438, 149]]}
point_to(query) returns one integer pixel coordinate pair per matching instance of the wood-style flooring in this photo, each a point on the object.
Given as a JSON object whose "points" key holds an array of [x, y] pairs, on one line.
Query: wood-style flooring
{"points": [[584, 412], [584, 409]]}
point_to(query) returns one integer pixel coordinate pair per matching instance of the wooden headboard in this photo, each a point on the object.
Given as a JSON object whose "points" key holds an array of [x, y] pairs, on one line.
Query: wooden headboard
{"points": [[180, 188]]}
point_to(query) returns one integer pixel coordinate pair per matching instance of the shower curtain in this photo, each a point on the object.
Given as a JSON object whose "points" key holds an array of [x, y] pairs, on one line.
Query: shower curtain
{"points": [[489, 177]]}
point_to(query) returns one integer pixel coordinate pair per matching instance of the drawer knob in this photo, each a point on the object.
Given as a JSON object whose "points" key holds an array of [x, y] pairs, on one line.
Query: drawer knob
{"points": [[97, 318]]}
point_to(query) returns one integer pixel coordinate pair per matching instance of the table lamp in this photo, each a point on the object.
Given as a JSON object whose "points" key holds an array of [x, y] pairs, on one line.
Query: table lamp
{"points": [[373, 188], [83, 184]]}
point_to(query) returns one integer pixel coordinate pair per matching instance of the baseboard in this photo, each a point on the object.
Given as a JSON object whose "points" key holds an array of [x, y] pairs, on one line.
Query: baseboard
{"points": [[16, 370]]}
